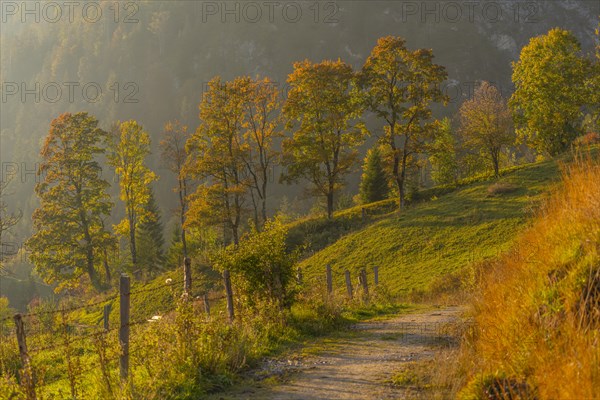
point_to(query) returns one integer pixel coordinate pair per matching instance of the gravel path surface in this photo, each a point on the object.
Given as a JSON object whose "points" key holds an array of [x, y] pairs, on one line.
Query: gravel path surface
{"points": [[360, 366]]}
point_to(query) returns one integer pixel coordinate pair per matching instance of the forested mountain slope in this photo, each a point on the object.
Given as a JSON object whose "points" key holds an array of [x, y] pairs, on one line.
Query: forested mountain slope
{"points": [[151, 60]]}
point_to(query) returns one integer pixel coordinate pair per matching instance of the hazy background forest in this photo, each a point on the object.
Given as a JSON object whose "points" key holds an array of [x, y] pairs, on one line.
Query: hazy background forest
{"points": [[153, 60]]}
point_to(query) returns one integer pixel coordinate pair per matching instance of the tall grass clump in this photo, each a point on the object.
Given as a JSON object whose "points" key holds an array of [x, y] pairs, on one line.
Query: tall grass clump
{"points": [[537, 309], [9, 367]]}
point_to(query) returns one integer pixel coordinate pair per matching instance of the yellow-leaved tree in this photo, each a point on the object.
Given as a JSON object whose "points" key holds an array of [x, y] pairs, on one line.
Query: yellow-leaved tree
{"points": [[215, 158], [401, 86], [130, 144], [69, 238], [262, 127], [323, 109], [232, 153]]}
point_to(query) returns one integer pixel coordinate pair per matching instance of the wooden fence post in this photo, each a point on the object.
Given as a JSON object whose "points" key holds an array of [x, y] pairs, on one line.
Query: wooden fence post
{"points": [[363, 214], [376, 275], [106, 314], [329, 279], [229, 293], [348, 283], [27, 377], [124, 302], [187, 276], [365, 285]]}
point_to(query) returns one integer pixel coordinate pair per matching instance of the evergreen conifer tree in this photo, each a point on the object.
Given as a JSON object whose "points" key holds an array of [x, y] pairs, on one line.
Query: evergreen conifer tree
{"points": [[374, 182], [150, 238]]}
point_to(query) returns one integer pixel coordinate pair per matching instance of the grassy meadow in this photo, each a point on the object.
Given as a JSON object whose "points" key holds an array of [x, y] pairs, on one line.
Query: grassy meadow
{"points": [[432, 242]]}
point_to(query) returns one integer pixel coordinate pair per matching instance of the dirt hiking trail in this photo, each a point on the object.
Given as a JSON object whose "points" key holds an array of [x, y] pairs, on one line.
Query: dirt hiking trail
{"points": [[359, 365]]}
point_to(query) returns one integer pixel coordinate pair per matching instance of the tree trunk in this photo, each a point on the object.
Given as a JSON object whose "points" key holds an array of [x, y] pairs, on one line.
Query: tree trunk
{"points": [[182, 203], [264, 199], [255, 207], [225, 233], [400, 184], [91, 271], [234, 234], [496, 162], [132, 244], [330, 204], [90, 265], [107, 268], [396, 169], [399, 173], [236, 223], [183, 242], [402, 179]]}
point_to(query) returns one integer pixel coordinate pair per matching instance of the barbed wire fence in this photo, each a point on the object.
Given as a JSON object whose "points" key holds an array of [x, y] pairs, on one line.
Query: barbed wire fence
{"points": [[52, 336]]}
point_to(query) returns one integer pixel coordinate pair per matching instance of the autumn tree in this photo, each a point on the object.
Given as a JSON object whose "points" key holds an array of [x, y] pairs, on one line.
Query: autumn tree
{"points": [[401, 86], [108, 242], [129, 147], [486, 124], [69, 236], [262, 126], [549, 91], [173, 153], [322, 109], [443, 154], [233, 151], [216, 157], [374, 180]]}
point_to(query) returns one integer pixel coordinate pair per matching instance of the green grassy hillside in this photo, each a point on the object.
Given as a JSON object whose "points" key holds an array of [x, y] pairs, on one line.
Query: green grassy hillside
{"points": [[448, 228], [444, 230], [432, 239]]}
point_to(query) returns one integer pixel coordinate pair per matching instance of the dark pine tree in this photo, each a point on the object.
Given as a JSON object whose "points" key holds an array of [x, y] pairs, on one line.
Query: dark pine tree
{"points": [[374, 182], [150, 239]]}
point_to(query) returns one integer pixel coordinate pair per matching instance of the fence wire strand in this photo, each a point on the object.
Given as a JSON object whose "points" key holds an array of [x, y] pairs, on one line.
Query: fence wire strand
{"points": [[152, 287], [75, 338], [69, 309]]}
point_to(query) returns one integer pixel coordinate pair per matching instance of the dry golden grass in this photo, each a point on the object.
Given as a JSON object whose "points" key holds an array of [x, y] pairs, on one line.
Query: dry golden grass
{"points": [[537, 309]]}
